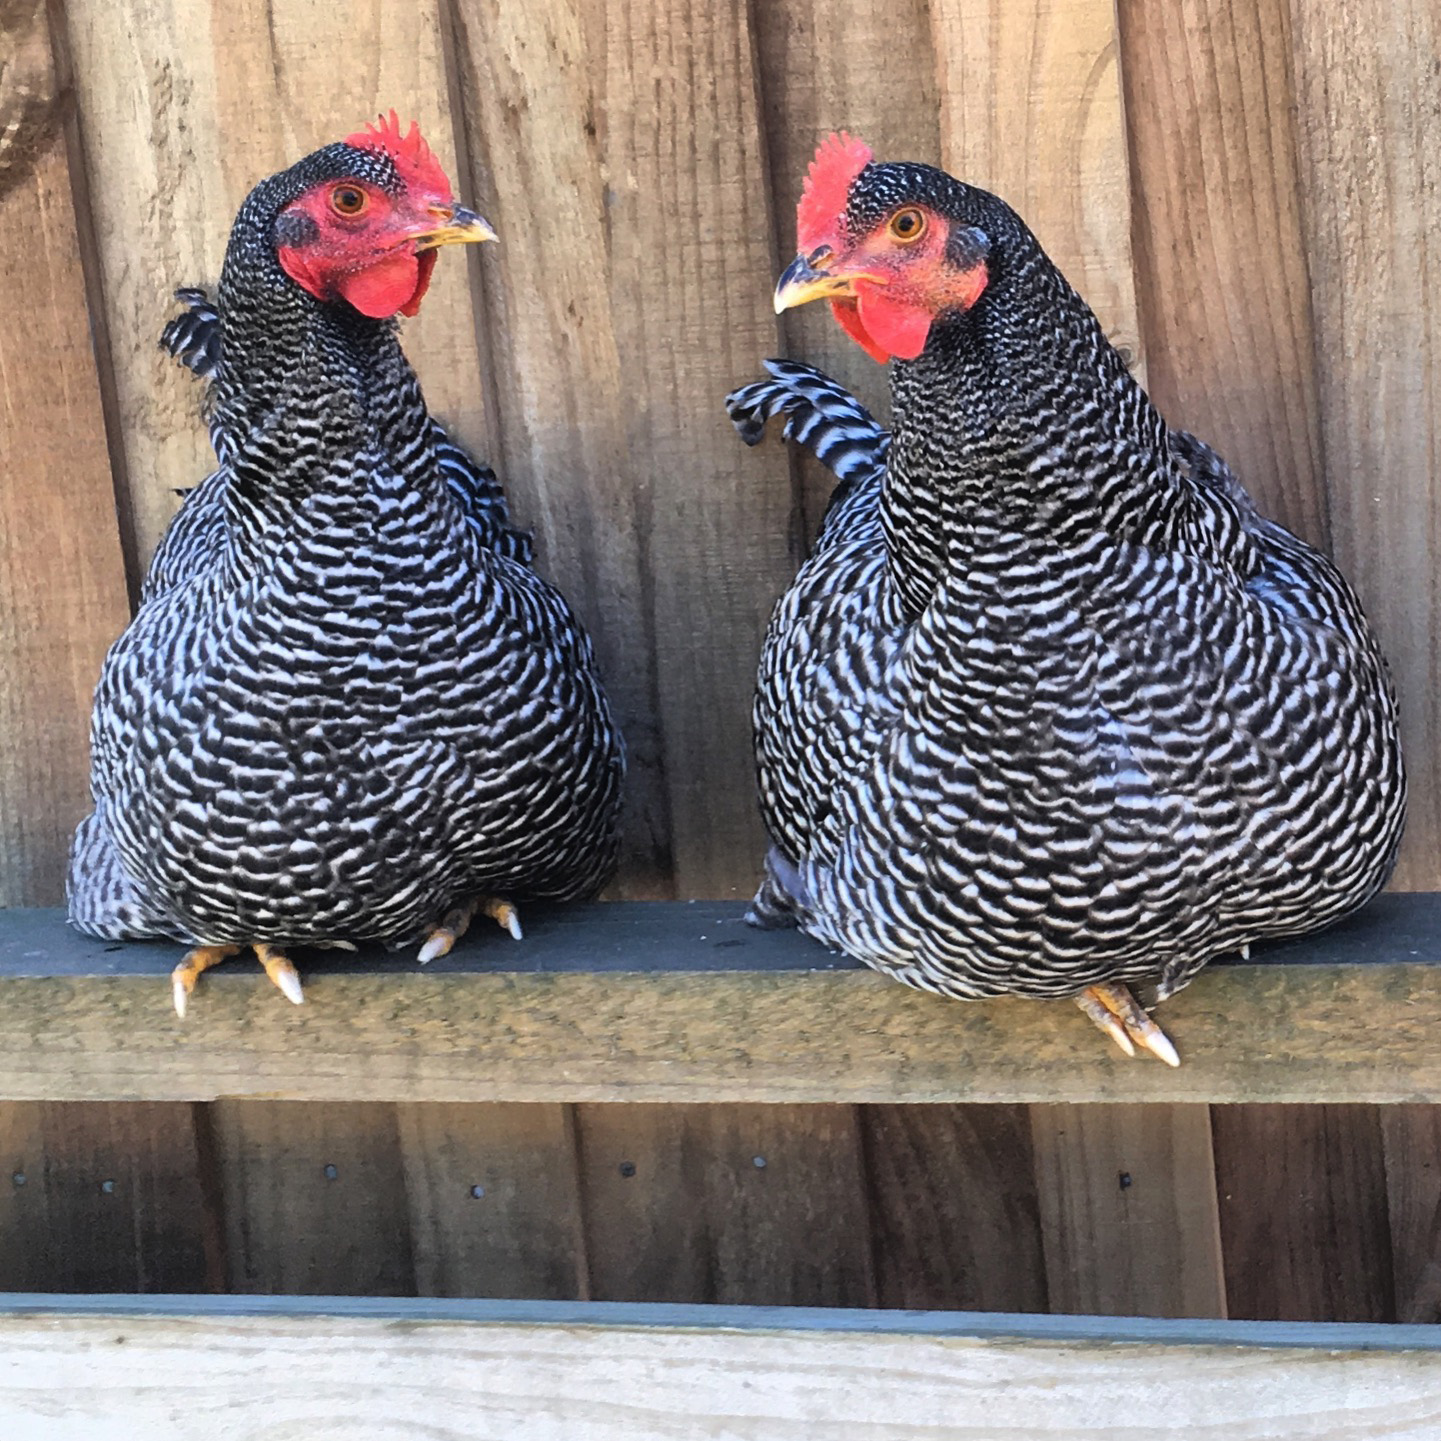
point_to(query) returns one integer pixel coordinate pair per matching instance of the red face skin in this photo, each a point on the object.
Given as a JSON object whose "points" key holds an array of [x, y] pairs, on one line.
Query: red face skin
{"points": [[365, 252], [900, 280], [887, 286]]}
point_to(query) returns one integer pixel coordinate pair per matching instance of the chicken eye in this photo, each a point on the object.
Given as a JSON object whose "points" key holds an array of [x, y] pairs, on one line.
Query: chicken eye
{"points": [[347, 200], [908, 225]]}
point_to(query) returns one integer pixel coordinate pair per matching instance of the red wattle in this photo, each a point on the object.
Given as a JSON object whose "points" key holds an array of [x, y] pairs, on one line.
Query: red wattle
{"points": [[382, 289], [427, 264], [900, 330], [849, 319]]}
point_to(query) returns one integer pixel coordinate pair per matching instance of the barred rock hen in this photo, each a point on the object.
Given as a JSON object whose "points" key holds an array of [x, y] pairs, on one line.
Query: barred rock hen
{"points": [[1050, 709], [347, 708]]}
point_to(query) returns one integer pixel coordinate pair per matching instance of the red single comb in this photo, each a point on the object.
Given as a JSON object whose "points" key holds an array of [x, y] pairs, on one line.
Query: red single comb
{"points": [[839, 159], [412, 156]]}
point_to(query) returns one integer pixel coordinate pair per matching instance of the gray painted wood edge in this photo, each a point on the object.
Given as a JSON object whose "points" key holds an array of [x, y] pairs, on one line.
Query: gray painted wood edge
{"points": [[963, 1325]]}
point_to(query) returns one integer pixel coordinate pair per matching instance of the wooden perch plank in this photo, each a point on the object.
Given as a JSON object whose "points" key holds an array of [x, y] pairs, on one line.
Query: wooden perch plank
{"points": [[683, 1371], [585, 1022]]}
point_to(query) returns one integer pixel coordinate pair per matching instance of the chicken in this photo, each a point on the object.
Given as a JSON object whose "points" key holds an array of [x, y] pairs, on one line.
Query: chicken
{"points": [[347, 708], [1051, 710]]}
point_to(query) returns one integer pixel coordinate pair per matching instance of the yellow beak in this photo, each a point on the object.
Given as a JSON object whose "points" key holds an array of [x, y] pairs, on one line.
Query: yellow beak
{"points": [[459, 226], [807, 278]]}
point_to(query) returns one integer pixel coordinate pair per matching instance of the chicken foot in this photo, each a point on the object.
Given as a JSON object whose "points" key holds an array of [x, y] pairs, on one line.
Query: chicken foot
{"points": [[1121, 1016], [456, 921], [197, 961]]}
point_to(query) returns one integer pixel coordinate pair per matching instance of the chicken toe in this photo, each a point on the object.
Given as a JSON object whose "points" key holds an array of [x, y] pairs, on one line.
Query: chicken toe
{"points": [[1122, 1017]]}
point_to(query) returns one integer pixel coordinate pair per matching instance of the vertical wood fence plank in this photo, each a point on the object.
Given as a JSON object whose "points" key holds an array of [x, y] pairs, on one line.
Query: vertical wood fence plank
{"points": [[494, 1201], [1224, 297], [108, 1199], [867, 67], [1226, 301], [1031, 108], [954, 1212], [1304, 1227], [314, 1198], [759, 1205], [1128, 1210], [631, 291], [62, 580], [1411, 1144], [1368, 90], [184, 106]]}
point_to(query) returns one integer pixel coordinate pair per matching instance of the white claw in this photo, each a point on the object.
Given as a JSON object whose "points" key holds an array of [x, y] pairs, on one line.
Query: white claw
{"points": [[435, 946], [1246, 951], [1117, 1033], [181, 995], [1159, 1044], [289, 984], [513, 924]]}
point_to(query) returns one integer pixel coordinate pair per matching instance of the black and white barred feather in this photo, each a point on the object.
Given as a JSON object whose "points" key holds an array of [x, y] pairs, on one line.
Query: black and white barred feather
{"points": [[193, 338], [1051, 704], [347, 702]]}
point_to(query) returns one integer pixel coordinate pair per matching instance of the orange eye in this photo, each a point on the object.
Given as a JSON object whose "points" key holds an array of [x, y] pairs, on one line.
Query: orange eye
{"points": [[347, 200], [908, 225]]}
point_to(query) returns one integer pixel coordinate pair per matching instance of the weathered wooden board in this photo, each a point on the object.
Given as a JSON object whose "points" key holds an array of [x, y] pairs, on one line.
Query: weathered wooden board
{"points": [[96, 1022], [1302, 1198], [1411, 1145], [761, 1204], [494, 1201], [62, 579], [314, 1199], [104, 1198], [130, 1376], [1222, 284], [1046, 131], [1128, 1210], [1367, 91], [955, 1221], [183, 107], [631, 291], [866, 67]]}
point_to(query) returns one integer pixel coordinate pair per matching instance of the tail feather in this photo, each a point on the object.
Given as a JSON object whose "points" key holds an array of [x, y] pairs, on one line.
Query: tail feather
{"points": [[820, 415]]}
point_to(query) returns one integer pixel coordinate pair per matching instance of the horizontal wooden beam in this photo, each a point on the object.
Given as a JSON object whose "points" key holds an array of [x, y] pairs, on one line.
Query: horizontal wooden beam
{"points": [[162, 1368], [683, 1002]]}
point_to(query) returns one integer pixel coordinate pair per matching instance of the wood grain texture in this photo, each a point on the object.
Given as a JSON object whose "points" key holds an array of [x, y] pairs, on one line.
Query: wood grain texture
{"points": [[104, 1198], [759, 1205], [62, 581], [1128, 1210], [494, 1200], [314, 1199], [631, 291], [1221, 271], [955, 1220], [1303, 1209], [1368, 90], [183, 107], [152, 1378], [1031, 109], [1411, 1145], [866, 67], [460, 1030]]}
